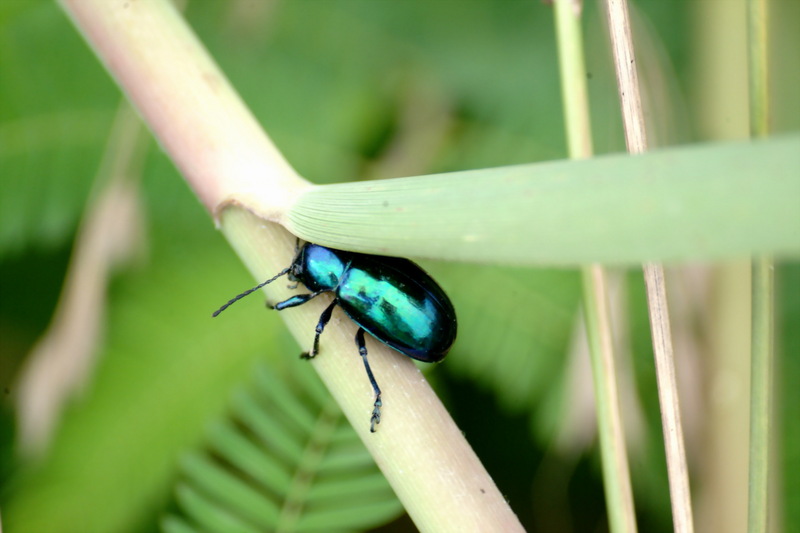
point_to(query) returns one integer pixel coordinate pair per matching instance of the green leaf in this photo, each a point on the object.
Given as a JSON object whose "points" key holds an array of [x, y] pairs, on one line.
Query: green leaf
{"points": [[308, 472], [209, 516], [165, 368], [52, 124], [172, 524], [688, 203]]}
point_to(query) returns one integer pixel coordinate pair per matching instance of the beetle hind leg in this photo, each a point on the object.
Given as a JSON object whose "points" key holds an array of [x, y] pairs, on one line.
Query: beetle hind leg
{"points": [[324, 318], [362, 351]]}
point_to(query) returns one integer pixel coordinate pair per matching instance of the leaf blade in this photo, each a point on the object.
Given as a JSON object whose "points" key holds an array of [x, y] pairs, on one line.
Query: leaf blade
{"points": [[689, 203]]}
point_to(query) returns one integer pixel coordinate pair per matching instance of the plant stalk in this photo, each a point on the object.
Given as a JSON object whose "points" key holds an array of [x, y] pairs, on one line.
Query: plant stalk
{"points": [[636, 140], [242, 179], [763, 290], [616, 474]]}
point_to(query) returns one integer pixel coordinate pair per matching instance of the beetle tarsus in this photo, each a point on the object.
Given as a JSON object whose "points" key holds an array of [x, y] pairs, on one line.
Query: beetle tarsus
{"points": [[376, 414]]}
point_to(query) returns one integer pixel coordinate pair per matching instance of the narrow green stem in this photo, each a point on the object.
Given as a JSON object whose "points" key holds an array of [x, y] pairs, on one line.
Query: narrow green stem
{"points": [[760, 394], [758, 66], [572, 68], [616, 474], [762, 289]]}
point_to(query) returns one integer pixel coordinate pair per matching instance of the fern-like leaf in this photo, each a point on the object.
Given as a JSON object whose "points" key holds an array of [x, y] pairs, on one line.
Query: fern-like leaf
{"points": [[284, 460]]}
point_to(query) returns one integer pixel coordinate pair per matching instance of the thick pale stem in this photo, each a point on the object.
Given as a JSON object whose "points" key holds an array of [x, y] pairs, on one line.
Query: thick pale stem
{"points": [[187, 102], [228, 159], [423, 454]]}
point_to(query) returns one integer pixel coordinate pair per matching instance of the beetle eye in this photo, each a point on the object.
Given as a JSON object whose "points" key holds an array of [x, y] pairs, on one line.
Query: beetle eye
{"points": [[296, 272]]}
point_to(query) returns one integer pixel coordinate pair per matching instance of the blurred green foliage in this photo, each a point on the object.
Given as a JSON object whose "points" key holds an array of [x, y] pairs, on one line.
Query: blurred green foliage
{"points": [[344, 88]]}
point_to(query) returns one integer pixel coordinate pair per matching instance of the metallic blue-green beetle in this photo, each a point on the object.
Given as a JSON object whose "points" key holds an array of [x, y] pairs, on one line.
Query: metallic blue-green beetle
{"points": [[392, 299]]}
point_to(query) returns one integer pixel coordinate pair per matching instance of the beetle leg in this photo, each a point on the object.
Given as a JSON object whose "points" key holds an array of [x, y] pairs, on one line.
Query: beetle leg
{"points": [[294, 301], [362, 351], [323, 321]]}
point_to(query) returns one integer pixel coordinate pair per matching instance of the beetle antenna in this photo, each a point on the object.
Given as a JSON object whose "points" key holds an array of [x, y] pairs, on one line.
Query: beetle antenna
{"points": [[254, 289]]}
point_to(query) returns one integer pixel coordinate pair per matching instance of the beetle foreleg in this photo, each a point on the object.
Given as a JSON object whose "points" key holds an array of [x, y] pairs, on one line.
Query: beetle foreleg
{"points": [[362, 351], [294, 301], [324, 318]]}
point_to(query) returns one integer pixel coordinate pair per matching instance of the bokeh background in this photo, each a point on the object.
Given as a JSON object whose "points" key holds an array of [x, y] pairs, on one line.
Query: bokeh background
{"points": [[356, 90]]}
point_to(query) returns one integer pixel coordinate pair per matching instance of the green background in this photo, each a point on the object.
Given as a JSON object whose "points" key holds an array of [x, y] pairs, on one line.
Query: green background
{"points": [[353, 90]]}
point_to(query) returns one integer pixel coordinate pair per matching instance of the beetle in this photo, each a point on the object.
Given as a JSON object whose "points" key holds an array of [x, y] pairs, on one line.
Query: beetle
{"points": [[390, 298]]}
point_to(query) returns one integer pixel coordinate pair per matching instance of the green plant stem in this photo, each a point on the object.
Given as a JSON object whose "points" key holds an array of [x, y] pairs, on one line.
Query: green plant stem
{"points": [[761, 394], [763, 290], [236, 171], [636, 139], [616, 474], [572, 68], [758, 66]]}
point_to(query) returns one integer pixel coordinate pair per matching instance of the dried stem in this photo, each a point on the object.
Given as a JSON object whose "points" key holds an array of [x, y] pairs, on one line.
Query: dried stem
{"points": [[636, 139]]}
